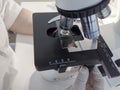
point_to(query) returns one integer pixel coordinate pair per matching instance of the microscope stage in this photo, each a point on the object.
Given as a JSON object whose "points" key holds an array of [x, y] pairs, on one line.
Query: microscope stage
{"points": [[48, 51], [50, 55]]}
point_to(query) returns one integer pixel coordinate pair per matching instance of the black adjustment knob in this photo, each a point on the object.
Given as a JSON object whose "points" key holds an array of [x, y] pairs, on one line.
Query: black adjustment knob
{"points": [[62, 68], [117, 62]]}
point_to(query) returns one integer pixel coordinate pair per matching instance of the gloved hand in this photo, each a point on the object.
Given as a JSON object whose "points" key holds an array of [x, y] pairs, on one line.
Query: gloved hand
{"points": [[88, 81]]}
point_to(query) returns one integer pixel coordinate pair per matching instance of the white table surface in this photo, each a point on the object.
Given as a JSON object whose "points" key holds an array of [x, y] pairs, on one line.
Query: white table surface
{"points": [[25, 52]]}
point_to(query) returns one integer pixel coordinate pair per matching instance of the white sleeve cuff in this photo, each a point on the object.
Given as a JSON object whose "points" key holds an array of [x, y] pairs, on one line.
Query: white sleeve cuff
{"points": [[12, 10]]}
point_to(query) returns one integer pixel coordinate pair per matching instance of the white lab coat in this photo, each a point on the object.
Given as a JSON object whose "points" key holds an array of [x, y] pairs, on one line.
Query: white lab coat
{"points": [[9, 10]]}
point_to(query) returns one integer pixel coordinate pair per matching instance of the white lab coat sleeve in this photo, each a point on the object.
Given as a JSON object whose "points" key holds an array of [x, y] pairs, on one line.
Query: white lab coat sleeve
{"points": [[9, 11]]}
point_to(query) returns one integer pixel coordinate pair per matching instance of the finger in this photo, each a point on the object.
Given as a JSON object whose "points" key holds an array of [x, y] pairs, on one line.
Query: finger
{"points": [[81, 80], [89, 85], [98, 82]]}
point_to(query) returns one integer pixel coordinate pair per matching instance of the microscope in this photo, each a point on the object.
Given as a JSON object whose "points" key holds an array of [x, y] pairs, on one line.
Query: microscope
{"points": [[71, 37]]}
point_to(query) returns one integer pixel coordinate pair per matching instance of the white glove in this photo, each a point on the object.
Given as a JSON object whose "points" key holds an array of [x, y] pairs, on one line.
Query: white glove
{"points": [[88, 81]]}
